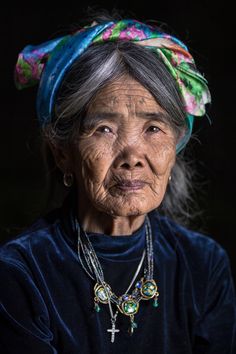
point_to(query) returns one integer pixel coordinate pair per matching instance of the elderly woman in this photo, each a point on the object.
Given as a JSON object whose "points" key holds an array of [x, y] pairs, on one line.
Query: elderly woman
{"points": [[108, 271]]}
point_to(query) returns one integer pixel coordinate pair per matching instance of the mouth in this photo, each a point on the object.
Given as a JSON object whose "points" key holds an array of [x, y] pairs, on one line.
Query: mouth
{"points": [[130, 185]]}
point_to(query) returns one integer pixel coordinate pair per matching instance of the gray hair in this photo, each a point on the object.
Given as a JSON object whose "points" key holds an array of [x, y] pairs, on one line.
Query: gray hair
{"points": [[96, 67]]}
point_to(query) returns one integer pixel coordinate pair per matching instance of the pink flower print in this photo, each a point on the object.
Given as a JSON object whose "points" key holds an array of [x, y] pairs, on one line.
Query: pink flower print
{"points": [[132, 33], [108, 33], [191, 104]]}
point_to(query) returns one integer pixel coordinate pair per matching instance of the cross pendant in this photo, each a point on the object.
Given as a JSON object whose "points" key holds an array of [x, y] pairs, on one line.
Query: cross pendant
{"points": [[113, 331]]}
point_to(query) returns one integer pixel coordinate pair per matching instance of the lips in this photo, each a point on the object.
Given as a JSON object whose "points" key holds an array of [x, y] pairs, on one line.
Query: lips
{"points": [[127, 185]]}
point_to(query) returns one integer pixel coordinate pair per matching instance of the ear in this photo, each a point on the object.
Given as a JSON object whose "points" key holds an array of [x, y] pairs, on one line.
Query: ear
{"points": [[62, 156]]}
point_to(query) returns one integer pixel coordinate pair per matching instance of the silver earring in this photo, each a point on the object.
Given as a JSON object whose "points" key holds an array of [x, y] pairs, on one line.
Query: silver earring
{"points": [[68, 179], [169, 178]]}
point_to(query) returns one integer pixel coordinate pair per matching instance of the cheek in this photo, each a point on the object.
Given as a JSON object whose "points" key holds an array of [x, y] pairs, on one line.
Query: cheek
{"points": [[162, 157], [93, 160]]}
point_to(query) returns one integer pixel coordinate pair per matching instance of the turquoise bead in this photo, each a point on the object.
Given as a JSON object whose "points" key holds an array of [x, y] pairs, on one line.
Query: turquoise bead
{"points": [[134, 325], [97, 308], [155, 303]]}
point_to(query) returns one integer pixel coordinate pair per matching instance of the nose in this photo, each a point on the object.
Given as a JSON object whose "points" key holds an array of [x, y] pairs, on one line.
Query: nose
{"points": [[130, 159]]}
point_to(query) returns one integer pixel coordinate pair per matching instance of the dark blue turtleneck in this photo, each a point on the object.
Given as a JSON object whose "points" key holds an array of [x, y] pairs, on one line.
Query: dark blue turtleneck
{"points": [[47, 298]]}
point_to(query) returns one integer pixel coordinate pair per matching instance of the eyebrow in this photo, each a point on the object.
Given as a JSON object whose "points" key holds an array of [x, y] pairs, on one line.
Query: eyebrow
{"points": [[159, 116], [93, 118]]}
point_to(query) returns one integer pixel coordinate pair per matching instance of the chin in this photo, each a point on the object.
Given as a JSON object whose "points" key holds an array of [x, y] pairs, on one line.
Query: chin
{"points": [[127, 209], [128, 212]]}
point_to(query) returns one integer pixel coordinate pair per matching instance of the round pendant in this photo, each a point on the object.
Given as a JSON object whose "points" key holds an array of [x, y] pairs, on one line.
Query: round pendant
{"points": [[129, 307], [102, 293], [148, 289]]}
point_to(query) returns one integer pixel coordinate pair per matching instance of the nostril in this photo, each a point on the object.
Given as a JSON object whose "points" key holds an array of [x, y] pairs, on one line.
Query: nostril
{"points": [[139, 164], [125, 165], [128, 166]]}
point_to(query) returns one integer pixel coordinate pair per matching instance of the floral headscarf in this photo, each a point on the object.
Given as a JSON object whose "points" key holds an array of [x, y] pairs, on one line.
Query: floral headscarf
{"points": [[47, 64]]}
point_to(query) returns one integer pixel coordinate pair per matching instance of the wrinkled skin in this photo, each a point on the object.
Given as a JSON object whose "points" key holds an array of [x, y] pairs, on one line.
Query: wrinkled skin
{"points": [[121, 164]]}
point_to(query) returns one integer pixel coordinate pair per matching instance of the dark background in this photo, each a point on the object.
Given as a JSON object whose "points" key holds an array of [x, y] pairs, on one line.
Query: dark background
{"points": [[206, 27]]}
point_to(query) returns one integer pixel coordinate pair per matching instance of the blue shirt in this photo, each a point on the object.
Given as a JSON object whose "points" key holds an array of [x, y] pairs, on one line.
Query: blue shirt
{"points": [[47, 299]]}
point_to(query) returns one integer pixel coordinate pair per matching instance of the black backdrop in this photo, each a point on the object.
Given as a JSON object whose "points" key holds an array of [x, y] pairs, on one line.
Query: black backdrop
{"points": [[207, 27]]}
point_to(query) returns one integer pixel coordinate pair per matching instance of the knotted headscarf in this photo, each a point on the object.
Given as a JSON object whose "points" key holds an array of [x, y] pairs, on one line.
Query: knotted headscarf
{"points": [[48, 63]]}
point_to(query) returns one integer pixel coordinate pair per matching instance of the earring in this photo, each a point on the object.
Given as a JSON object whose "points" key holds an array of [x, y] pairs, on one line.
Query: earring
{"points": [[169, 178], [68, 179]]}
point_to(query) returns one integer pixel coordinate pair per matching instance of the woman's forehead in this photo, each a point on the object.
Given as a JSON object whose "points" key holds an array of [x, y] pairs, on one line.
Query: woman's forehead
{"points": [[124, 94]]}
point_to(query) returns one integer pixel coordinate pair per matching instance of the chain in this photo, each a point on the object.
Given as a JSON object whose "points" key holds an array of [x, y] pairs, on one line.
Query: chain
{"points": [[94, 265], [94, 269]]}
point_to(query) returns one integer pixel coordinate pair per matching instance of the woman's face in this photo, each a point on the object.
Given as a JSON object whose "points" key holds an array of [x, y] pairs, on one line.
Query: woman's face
{"points": [[124, 152]]}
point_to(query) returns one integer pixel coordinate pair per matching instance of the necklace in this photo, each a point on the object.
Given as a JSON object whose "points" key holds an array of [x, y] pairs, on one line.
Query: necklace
{"points": [[127, 304], [113, 330]]}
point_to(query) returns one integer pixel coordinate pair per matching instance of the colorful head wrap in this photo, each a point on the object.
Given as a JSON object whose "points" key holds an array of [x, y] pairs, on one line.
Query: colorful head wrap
{"points": [[47, 64]]}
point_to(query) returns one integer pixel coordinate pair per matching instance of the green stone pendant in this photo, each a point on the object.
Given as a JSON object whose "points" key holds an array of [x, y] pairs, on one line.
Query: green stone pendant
{"points": [[148, 289], [102, 293], [130, 306]]}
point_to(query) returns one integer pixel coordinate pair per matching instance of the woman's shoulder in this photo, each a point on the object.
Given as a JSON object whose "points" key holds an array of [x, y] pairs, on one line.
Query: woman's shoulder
{"points": [[199, 256], [193, 245], [34, 238]]}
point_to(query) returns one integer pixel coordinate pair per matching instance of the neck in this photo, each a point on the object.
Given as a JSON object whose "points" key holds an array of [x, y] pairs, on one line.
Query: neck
{"points": [[93, 220]]}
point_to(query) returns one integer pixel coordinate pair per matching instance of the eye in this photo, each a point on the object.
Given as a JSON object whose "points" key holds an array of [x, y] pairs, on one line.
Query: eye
{"points": [[153, 129], [104, 129]]}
